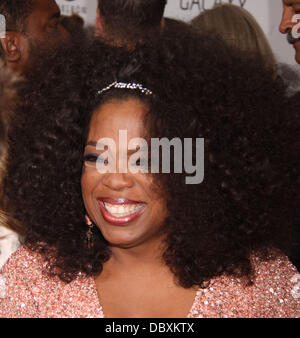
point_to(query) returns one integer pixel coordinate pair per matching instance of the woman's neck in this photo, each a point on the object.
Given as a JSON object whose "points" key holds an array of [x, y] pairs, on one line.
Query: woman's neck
{"points": [[144, 256]]}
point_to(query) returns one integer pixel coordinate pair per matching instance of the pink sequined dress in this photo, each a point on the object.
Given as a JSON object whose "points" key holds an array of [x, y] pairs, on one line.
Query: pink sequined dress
{"points": [[27, 292]]}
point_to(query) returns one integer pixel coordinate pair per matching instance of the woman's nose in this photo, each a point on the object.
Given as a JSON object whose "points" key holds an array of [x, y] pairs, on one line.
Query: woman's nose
{"points": [[117, 181]]}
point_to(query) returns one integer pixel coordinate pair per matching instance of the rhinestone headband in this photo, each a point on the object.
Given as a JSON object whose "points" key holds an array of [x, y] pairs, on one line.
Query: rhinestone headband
{"points": [[123, 85]]}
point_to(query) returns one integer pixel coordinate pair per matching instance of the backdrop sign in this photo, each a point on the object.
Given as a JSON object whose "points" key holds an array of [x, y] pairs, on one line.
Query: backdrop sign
{"points": [[188, 9], [202, 5], [184, 9], [2, 26], [85, 8], [266, 12]]}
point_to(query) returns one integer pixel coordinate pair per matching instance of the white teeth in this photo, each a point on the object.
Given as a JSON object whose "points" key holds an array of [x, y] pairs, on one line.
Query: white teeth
{"points": [[122, 210]]}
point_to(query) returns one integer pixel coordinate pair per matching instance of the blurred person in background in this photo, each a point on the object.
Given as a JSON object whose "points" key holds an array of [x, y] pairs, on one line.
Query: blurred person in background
{"points": [[288, 24], [33, 29], [32, 32], [238, 29], [173, 27], [9, 240], [288, 27], [127, 22]]}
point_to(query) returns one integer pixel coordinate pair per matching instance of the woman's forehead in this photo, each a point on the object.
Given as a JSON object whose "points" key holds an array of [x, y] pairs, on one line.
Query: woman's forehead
{"points": [[116, 115]]}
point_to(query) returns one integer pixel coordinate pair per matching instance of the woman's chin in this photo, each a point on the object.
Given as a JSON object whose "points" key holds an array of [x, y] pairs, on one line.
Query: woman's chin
{"points": [[120, 240]]}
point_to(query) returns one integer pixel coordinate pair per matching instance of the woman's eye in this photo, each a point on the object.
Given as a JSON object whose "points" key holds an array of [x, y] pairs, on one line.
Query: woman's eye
{"points": [[90, 158], [141, 162], [102, 160], [94, 158]]}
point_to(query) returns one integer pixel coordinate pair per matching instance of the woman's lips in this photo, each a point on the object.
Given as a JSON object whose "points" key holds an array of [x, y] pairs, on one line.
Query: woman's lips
{"points": [[118, 200], [120, 211]]}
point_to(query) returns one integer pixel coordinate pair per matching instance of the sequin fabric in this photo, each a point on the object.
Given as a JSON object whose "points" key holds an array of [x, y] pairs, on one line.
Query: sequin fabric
{"points": [[27, 292]]}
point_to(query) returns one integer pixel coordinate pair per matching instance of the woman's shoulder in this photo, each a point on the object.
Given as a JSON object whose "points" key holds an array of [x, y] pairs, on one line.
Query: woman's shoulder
{"points": [[276, 288], [274, 291], [272, 263], [23, 271], [275, 269], [24, 262], [29, 270], [28, 290], [18, 278]]}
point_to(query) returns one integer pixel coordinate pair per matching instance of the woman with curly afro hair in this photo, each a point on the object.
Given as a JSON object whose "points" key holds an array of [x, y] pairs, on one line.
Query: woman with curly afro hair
{"points": [[130, 243]]}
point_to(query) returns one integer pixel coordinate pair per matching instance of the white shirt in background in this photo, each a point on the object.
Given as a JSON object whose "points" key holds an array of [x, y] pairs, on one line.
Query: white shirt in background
{"points": [[9, 243]]}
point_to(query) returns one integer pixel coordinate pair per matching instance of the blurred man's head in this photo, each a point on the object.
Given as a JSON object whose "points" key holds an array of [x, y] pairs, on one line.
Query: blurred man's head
{"points": [[290, 24], [125, 22], [32, 26]]}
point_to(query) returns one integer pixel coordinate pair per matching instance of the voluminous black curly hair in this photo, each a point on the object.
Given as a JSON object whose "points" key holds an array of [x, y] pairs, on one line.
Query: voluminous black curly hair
{"points": [[248, 200]]}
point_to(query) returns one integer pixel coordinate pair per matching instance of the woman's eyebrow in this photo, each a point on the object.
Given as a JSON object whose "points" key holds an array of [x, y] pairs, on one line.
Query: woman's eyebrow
{"points": [[91, 143], [97, 145]]}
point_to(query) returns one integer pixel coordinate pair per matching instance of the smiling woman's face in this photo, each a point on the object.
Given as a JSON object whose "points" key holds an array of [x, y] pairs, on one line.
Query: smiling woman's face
{"points": [[128, 209]]}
